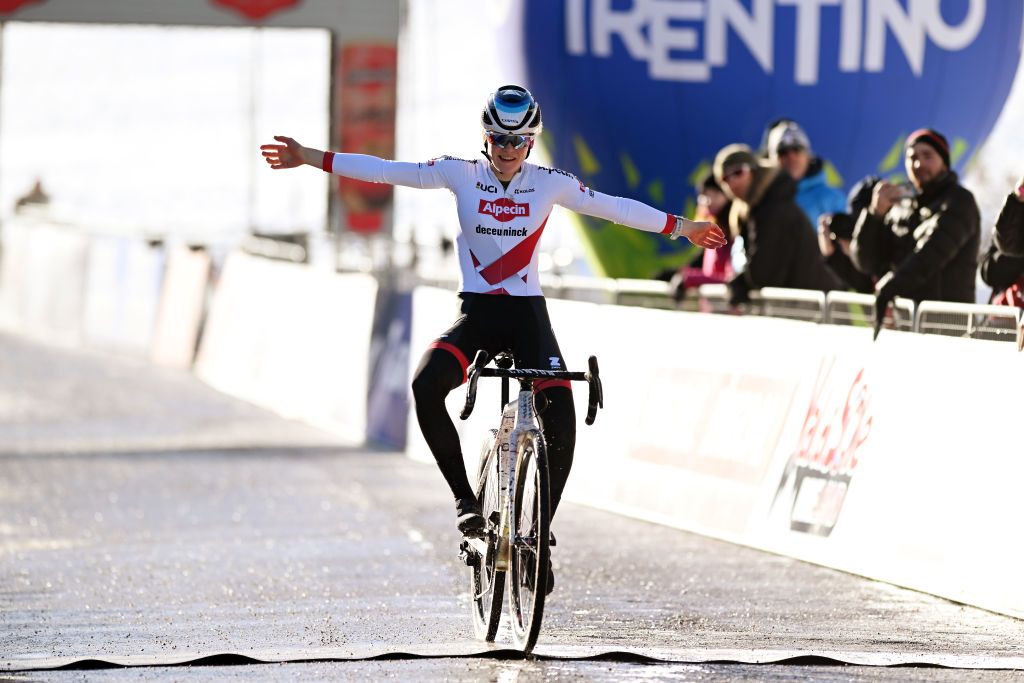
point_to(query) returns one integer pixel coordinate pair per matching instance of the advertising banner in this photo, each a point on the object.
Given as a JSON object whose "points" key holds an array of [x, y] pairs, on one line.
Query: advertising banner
{"points": [[388, 400], [365, 116], [683, 78]]}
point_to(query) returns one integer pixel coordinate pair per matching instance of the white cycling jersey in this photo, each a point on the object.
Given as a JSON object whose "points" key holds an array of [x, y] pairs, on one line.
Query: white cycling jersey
{"points": [[499, 227]]}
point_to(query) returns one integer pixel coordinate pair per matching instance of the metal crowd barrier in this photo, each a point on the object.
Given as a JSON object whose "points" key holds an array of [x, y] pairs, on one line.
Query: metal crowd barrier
{"points": [[795, 304], [998, 323], [858, 310], [973, 321]]}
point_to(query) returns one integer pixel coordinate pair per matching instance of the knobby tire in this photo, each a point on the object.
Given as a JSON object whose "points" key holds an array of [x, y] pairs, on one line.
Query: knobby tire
{"points": [[487, 586]]}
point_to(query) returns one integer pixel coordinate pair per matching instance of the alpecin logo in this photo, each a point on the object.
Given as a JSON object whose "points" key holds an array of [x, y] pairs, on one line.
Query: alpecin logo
{"points": [[503, 209], [818, 474]]}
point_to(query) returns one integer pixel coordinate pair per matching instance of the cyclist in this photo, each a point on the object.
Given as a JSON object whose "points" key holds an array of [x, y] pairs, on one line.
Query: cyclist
{"points": [[503, 205]]}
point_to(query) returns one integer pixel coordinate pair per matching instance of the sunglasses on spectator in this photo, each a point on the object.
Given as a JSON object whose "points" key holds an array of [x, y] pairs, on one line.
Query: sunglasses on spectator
{"points": [[734, 172], [792, 149], [517, 141]]}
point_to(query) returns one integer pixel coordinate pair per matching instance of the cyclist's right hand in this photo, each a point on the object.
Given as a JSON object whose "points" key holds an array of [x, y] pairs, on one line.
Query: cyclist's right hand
{"points": [[289, 154]]}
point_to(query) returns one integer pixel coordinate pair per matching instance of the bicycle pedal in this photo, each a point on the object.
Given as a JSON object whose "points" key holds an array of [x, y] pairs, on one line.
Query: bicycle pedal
{"points": [[468, 556]]}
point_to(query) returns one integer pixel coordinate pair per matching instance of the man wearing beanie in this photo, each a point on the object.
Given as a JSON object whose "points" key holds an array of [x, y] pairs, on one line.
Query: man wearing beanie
{"points": [[778, 240], [921, 242]]}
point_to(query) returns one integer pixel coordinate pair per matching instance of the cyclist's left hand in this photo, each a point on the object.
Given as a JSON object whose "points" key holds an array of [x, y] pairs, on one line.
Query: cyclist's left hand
{"points": [[705, 234]]}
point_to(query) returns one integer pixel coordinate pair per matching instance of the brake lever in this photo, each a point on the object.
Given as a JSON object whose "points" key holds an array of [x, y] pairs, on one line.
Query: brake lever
{"points": [[472, 375], [596, 398]]}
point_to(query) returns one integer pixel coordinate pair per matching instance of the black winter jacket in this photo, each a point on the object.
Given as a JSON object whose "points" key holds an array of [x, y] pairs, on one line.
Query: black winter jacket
{"points": [[999, 269], [930, 243], [1009, 235], [780, 244]]}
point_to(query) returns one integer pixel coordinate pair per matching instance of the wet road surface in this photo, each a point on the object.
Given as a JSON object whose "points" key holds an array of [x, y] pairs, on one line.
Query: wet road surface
{"points": [[147, 520]]}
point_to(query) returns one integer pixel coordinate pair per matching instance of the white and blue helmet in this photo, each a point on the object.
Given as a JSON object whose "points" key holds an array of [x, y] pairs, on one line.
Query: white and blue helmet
{"points": [[512, 109]]}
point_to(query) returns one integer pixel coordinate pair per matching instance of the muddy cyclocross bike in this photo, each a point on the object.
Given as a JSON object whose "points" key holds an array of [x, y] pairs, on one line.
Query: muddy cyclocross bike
{"points": [[514, 494]]}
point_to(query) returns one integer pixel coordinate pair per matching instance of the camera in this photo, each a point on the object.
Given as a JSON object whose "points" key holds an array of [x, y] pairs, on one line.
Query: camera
{"points": [[906, 190], [840, 226]]}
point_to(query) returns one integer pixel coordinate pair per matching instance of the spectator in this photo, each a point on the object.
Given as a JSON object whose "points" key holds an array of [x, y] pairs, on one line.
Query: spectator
{"points": [[788, 146], [1009, 233], [716, 264], [778, 240], [835, 232], [1002, 267], [920, 240]]}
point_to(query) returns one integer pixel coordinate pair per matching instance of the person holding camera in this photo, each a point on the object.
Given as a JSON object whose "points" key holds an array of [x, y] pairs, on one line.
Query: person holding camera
{"points": [[920, 239], [1002, 267]]}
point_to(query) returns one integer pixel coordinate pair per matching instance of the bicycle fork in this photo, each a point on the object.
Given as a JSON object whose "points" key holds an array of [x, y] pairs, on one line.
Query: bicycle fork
{"points": [[523, 413]]}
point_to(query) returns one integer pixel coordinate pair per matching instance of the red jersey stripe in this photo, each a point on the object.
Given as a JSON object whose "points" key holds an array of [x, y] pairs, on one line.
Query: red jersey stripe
{"points": [[515, 260]]}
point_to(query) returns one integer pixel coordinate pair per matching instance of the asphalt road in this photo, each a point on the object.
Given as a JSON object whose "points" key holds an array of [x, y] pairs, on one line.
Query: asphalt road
{"points": [[148, 521]]}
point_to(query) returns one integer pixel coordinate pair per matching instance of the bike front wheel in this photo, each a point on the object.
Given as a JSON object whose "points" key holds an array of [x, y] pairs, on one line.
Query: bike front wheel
{"points": [[487, 584], [531, 536]]}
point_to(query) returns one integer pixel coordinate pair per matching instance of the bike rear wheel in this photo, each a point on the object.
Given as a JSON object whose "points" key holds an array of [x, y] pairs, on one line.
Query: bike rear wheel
{"points": [[487, 585], [531, 535]]}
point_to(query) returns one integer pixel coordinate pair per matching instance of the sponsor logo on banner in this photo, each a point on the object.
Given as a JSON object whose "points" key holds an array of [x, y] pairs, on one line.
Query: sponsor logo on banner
{"points": [[503, 209], [257, 9], [818, 474], [654, 34]]}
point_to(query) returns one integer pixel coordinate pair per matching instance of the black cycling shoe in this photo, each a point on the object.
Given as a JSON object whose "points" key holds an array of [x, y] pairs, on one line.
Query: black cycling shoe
{"points": [[470, 521]]}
